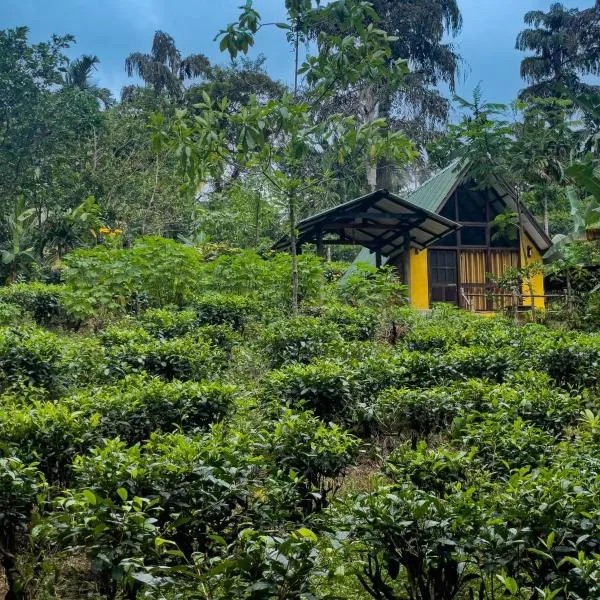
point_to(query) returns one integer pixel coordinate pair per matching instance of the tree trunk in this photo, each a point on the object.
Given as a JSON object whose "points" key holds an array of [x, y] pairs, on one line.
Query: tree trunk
{"points": [[369, 112], [12, 577], [546, 216], [293, 251], [257, 221], [569, 296]]}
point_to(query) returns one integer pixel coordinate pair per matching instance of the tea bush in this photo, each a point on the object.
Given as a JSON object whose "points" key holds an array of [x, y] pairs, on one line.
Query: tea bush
{"points": [[168, 323], [20, 485], [48, 433], [29, 356], [305, 448], [353, 323], [224, 309], [42, 302], [186, 357], [322, 387], [298, 340], [421, 412], [138, 405]]}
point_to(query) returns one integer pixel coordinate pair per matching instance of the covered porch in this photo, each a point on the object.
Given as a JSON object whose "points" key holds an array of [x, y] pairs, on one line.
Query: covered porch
{"points": [[387, 226]]}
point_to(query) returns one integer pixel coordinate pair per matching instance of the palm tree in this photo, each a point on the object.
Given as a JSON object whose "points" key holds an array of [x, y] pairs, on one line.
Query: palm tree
{"points": [[79, 74], [164, 69], [561, 53]]}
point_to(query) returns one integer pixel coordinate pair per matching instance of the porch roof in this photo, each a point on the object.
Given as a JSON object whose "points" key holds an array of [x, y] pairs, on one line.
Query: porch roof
{"points": [[379, 221]]}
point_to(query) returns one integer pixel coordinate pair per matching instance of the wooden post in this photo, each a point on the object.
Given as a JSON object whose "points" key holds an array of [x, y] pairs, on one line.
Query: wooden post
{"points": [[320, 248], [378, 259]]}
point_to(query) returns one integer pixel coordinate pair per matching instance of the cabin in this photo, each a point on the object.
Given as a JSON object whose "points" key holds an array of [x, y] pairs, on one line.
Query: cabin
{"points": [[442, 239]]}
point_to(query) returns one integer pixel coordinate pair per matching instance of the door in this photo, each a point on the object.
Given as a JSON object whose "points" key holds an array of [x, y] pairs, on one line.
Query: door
{"points": [[473, 279], [443, 276]]}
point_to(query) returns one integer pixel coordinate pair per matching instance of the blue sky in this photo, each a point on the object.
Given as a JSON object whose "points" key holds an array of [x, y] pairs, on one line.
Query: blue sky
{"points": [[112, 29]]}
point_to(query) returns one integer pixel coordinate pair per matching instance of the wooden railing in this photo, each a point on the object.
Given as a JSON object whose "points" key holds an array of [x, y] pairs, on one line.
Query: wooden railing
{"points": [[497, 301]]}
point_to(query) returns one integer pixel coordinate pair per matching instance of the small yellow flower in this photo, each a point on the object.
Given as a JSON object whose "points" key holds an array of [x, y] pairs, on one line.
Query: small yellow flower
{"points": [[117, 231], [104, 230]]}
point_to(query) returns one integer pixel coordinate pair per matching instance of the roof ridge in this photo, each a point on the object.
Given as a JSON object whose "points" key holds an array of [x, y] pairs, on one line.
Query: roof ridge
{"points": [[455, 162]]}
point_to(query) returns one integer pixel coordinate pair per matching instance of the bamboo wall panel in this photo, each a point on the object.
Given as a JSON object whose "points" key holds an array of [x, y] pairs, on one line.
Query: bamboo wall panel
{"points": [[503, 259], [472, 271], [474, 268]]}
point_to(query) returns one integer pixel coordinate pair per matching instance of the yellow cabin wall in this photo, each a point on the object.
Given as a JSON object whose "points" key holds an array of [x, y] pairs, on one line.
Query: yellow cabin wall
{"points": [[537, 280], [419, 280]]}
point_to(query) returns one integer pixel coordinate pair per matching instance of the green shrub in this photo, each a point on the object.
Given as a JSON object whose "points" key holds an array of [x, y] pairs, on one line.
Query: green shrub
{"points": [[82, 363], [354, 323], [572, 361], [29, 356], [10, 314], [43, 302], [136, 407], [531, 396], [168, 323], [104, 281], [366, 285], [503, 442], [479, 361], [298, 340], [49, 433], [322, 387], [202, 484], [435, 470], [119, 537], [265, 279], [385, 368], [403, 541], [123, 333], [304, 447], [224, 309], [421, 412], [20, 484], [178, 358]]}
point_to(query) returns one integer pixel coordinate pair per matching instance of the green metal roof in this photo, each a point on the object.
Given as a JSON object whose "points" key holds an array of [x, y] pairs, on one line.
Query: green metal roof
{"points": [[434, 191]]}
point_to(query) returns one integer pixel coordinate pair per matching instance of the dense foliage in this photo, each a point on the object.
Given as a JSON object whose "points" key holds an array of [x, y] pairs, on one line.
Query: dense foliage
{"points": [[186, 414], [196, 439]]}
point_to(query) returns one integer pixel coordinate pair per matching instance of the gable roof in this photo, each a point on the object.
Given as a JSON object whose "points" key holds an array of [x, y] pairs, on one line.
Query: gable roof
{"points": [[432, 195], [380, 221]]}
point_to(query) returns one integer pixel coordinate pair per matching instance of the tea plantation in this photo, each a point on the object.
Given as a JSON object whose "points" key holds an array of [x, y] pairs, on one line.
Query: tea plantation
{"points": [[169, 430]]}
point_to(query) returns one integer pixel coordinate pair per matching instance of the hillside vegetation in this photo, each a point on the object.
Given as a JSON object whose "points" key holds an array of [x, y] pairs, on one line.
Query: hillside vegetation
{"points": [[182, 436]]}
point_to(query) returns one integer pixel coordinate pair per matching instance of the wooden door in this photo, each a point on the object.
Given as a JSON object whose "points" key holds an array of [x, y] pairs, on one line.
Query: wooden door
{"points": [[443, 276]]}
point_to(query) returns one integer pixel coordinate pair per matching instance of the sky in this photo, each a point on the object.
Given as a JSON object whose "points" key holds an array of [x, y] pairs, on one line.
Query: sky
{"points": [[112, 29]]}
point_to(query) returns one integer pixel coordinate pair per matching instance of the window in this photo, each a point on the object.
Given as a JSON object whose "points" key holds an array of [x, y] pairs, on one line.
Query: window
{"points": [[473, 236], [442, 266], [471, 205], [448, 240], [449, 210]]}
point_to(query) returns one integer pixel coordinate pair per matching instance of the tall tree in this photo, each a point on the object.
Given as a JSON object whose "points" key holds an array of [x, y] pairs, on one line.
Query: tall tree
{"points": [[79, 75], [565, 47], [164, 69], [419, 31], [277, 138], [44, 125], [544, 141]]}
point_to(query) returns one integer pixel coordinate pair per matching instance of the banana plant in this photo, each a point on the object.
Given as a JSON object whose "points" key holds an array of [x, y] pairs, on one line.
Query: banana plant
{"points": [[19, 224]]}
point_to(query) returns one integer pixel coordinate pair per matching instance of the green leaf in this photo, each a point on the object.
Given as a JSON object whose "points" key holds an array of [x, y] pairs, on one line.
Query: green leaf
{"points": [[90, 497]]}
